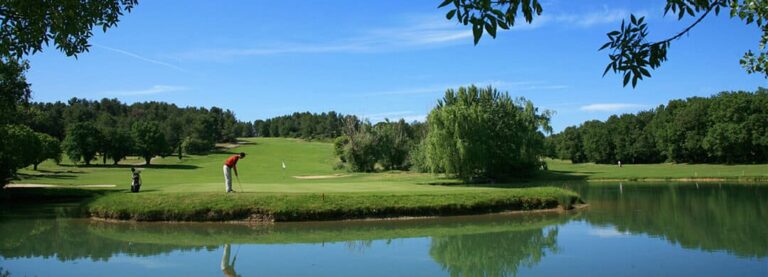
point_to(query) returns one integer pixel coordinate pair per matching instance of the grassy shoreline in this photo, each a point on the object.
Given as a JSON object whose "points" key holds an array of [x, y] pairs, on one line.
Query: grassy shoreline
{"points": [[259, 208]]}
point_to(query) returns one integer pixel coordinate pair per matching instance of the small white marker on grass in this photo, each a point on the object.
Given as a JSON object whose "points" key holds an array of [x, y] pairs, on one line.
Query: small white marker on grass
{"points": [[283, 162]]}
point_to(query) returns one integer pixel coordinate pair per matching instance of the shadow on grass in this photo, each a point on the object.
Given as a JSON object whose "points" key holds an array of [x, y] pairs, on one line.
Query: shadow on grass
{"points": [[52, 175], [127, 166], [540, 178], [50, 195]]}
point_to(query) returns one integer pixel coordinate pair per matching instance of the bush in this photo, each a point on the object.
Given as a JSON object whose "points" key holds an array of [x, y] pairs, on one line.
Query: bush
{"points": [[197, 146]]}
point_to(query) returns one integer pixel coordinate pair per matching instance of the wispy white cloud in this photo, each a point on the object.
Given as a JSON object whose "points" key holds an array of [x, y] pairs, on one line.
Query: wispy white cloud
{"points": [[607, 233], [408, 116], [508, 86], [137, 56], [605, 16], [144, 262], [610, 107], [416, 32], [431, 31], [156, 89], [376, 117], [580, 20], [416, 117]]}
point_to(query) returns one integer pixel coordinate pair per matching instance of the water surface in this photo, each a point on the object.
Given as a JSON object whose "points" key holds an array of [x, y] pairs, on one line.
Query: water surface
{"points": [[628, 230]]}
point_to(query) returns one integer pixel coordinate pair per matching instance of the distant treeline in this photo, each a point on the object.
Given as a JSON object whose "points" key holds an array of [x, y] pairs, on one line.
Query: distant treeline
{"points": [[730, 127], [304, 125], [116, 130]]}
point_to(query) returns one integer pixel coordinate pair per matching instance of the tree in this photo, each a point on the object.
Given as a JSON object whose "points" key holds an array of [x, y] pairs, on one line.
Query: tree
{"points": [[48, 148], [631, 53], [82, 142], [14, 90], [393, 144], [360, 151], [120, 144], [731, 127], [148, 139], [13, 157], [478, 133], [30, 25], [26, 27]]}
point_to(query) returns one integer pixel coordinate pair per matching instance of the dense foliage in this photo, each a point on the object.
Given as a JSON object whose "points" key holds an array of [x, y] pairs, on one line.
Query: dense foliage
{"points": [[115, 130], [28, 26], [480, 133], [632, 53], [304, 125], [14, 94], [31, 131], [731, 127], [365, 147]]}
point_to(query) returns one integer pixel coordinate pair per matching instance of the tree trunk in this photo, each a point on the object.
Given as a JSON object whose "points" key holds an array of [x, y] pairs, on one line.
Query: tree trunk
{"points": [[35, 167], [148, 159], [104, 158], [179, 151]]}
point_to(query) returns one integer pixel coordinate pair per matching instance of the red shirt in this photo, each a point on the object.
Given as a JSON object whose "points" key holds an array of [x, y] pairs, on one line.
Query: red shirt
{"points": [[232, 161]]}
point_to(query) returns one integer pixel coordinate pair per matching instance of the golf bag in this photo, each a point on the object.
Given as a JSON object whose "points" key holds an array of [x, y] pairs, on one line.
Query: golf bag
{"points": [[135, 182]]}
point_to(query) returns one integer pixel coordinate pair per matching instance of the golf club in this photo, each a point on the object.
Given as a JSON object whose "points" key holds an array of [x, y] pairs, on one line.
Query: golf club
{"points": [[238, 182]]}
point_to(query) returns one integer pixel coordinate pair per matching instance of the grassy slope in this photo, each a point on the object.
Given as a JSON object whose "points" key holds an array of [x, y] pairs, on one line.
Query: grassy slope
{"points": [[665, 171], [260, 171]]}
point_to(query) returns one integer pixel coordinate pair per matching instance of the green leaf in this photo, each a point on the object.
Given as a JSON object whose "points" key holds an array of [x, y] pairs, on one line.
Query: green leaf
{"points": [[607, 68], [491, 29], [445, 3], [450, 14], [477, 32], [645, 72], [503, 25], [626, 78], [604, 46]]}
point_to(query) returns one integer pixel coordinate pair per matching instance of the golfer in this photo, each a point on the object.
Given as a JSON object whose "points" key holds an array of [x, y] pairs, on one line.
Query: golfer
{"points": [[229, 164]]}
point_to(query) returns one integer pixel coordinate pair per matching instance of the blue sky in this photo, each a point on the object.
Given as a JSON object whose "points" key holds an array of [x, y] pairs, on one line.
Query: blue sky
{"points": [[384, 59]]}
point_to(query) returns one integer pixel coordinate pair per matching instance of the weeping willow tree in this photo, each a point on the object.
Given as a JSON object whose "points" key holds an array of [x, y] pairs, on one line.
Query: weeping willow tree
{"points": [[481, 133]]}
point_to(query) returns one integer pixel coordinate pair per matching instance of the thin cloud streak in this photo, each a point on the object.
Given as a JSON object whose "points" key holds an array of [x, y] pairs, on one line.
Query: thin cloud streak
{"points": [[610, 107], [580, 20], [156, 89], [517, 86], [421, 32], [408, 116], [137, 56]]}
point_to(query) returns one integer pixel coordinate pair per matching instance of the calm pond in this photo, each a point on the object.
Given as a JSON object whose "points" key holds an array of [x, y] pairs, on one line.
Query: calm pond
{"points": [[628, 230]]}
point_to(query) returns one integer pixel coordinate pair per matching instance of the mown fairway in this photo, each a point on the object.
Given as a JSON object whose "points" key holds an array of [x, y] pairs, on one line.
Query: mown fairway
{"points": [[260, 171], [591, 171]]}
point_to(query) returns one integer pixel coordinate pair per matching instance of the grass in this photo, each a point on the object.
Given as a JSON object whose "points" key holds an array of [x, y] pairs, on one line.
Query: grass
{"points": [[657, 172], [314, 206], [193, 188]]}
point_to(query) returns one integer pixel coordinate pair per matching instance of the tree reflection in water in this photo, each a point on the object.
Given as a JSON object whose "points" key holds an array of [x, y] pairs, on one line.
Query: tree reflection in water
{"points": [[493, 254]]}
